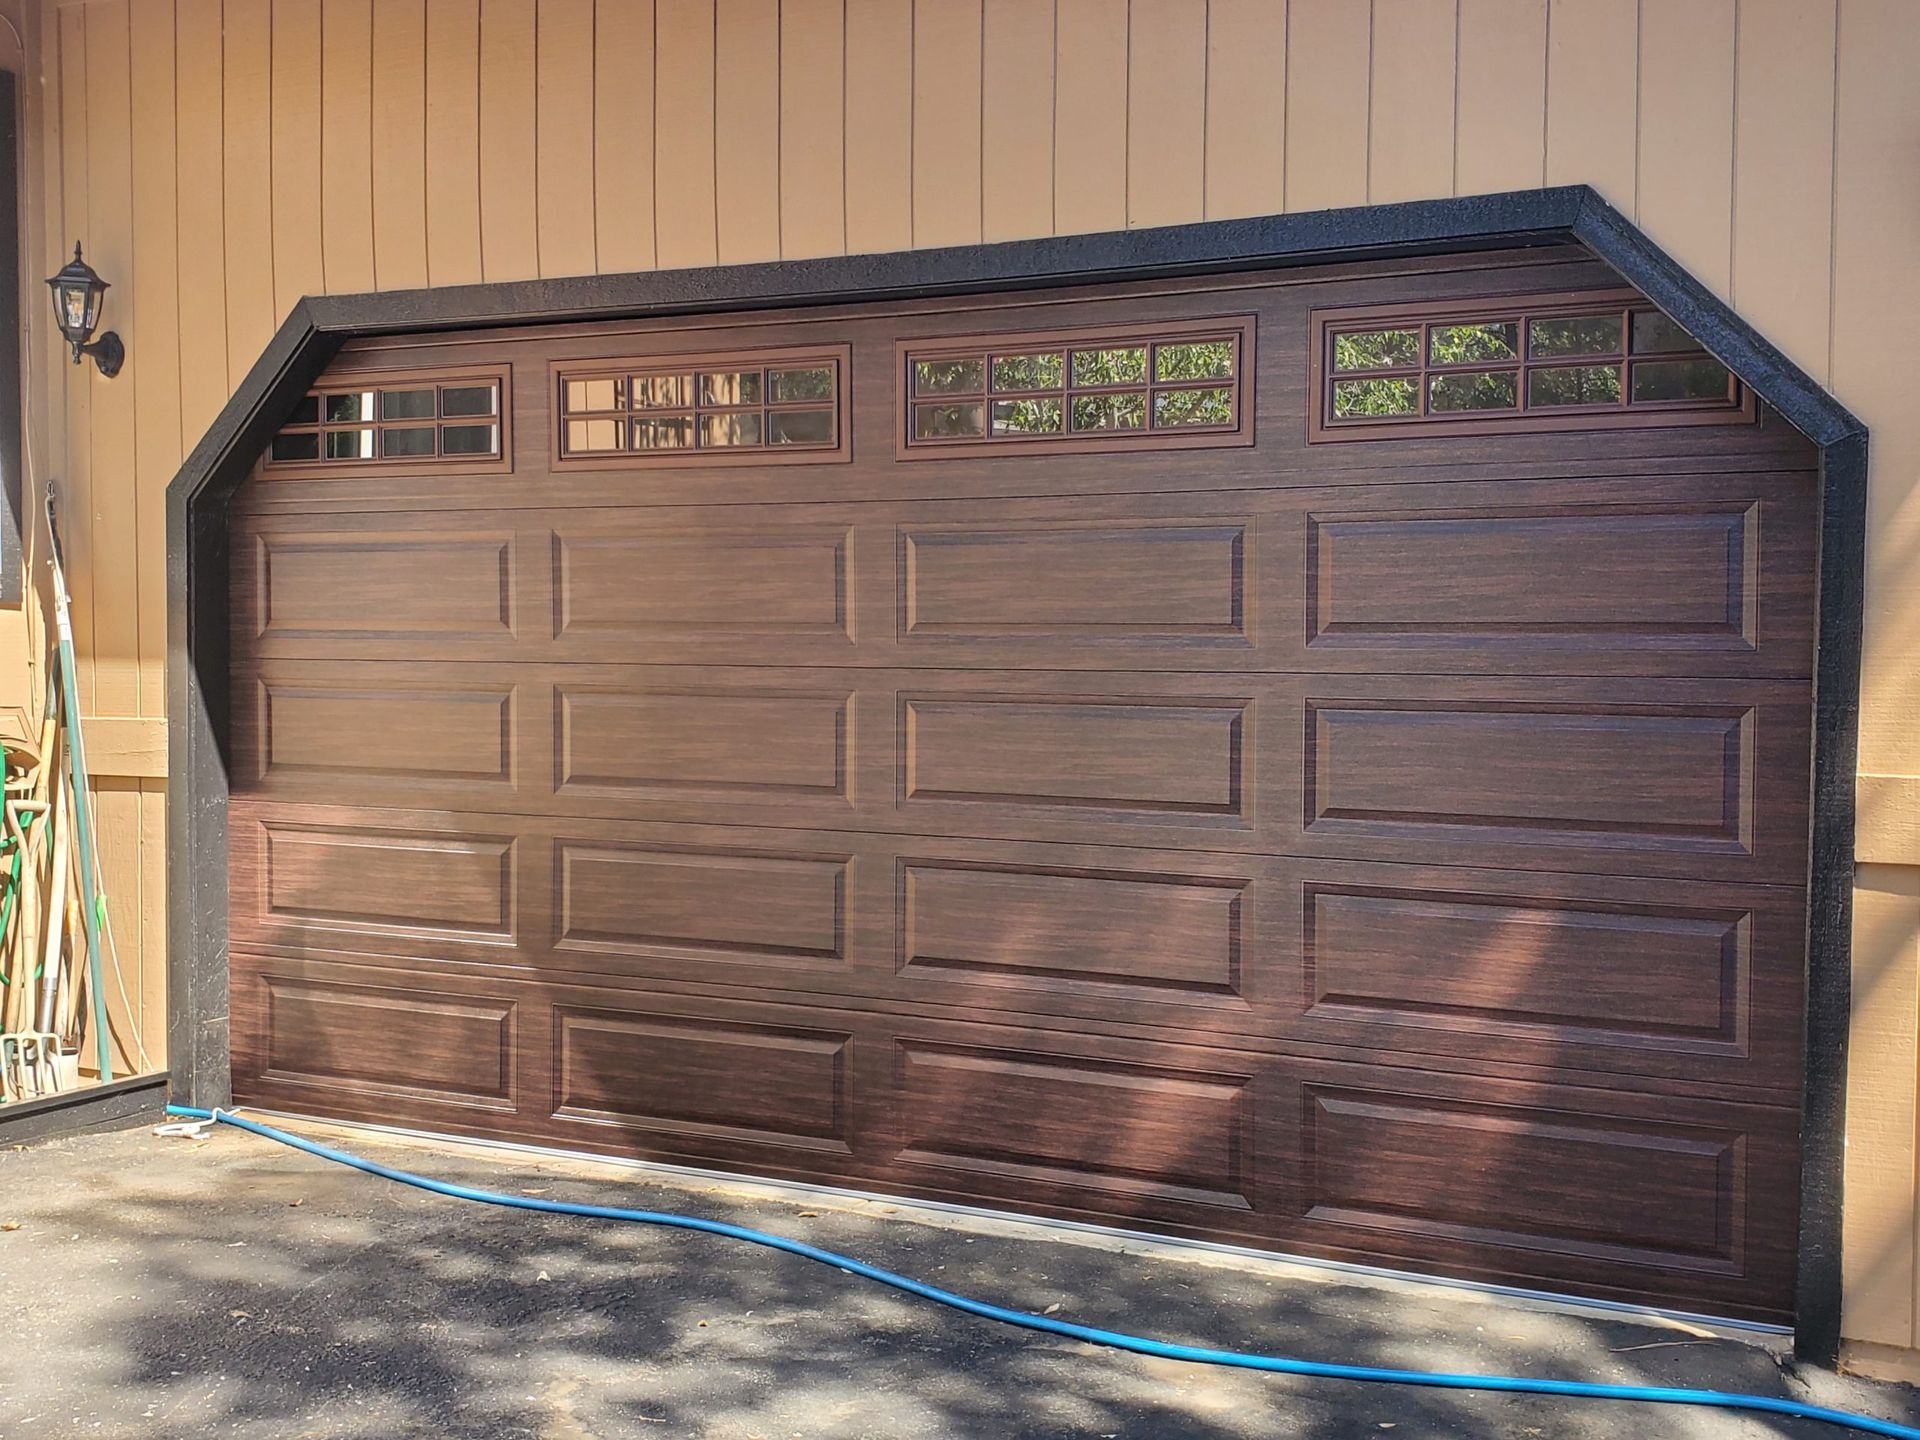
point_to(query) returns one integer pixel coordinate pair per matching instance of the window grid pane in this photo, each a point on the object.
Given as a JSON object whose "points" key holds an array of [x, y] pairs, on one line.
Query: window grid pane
{"points": [[1042, 390], [712, 407], [396, 421], [1555, 360]]}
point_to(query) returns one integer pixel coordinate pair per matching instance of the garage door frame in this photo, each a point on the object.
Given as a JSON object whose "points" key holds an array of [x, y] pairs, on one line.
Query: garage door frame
{"points": [[197, 551]]}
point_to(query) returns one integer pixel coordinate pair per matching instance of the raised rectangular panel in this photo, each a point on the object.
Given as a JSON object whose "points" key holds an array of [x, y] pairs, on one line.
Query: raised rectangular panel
{"points": [[698, 1077], [1638, 775], [739, 743], [1089, 753], [1147, 934], [398, 1042], [669, 584], [1563, 1181], [1645, 578], [1121, 582], [418, 734], [624, 899], [348, 585], [1654, 977], [360, 879], [1140, 1131]]}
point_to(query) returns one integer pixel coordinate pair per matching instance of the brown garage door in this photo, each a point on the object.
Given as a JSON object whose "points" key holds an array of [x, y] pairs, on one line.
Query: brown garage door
{"points": [[1316, 761]]}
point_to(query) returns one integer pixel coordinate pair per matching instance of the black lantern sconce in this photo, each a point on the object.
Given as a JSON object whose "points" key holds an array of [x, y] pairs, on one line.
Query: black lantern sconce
{"points": [[77, 293]]}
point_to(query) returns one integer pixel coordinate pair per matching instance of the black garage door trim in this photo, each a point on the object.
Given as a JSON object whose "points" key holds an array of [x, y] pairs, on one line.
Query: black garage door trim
{"points": [[197, 554]]}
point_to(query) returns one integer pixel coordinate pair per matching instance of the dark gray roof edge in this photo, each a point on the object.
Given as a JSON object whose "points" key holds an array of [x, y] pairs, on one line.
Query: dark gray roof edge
{"points": [[318, 324]]}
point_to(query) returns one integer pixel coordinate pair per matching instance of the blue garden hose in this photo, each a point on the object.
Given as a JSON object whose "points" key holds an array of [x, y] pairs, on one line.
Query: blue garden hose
{"points": [[1112, 1339]]}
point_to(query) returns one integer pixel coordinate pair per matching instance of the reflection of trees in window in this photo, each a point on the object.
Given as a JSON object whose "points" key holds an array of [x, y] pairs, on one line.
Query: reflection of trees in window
{"points": [[1048, 388], [1603, 359]]}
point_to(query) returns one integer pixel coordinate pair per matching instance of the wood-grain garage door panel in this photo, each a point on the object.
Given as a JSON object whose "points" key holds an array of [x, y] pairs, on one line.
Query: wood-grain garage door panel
{"points": [[1056, 580], [631, 901], [1392, 850], [1098, 755], [415, 884], [710, 584], [1656, 982], [743, 743], [1130, 933], [1530, 1177], [1501, 1179], [689, 1077], [391, 1044], [1672, 777], [1685, 574], [1629, 777], [319, 588], [1653, 578], [1646, 976]]}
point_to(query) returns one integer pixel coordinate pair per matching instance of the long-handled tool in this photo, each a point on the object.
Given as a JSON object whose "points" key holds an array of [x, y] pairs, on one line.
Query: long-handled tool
{"points": [[82, 825], [29, 1050]]}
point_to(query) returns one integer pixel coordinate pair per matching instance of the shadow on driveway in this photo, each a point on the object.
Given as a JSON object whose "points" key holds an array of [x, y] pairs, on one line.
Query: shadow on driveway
{"points": [[233, 1287]]}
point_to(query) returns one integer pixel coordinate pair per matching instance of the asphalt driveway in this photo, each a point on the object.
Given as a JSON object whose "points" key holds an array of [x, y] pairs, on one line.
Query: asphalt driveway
{"points": [[230, 1286]]}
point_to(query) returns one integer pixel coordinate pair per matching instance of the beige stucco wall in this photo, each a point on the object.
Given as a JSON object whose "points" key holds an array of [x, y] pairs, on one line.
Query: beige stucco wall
{"points": [[220, 160]]}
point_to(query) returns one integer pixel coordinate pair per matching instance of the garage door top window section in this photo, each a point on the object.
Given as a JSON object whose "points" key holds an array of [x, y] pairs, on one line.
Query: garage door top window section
{"points": [[737, 408], [1555, 362], [1092, 389], [445, 420]]}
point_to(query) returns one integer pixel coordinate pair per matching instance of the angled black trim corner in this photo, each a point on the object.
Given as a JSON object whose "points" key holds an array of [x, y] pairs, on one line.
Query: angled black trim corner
{"points": [[313, 333]]}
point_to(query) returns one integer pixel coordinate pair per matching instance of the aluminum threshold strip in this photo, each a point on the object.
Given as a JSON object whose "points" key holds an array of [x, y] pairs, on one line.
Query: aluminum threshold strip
{"points": [[1082, 1227]]}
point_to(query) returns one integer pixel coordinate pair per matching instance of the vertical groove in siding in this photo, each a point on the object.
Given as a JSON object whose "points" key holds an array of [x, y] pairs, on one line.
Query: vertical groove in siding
{"points": [[1246, 107], [153, 360], [746, 130], [295, 151], [813, 195], [879, 125], [113, 550], [946, 122], [151, 937], [74, 487], [1783, 174], [246, 132], [1090, 106], [1592, 97], [1500, 140], [110, 575], [564, 168], [153, 373], [509, 235], [1016, 119], [685, 224], [346, 143], [1876, 314], [1166, 111], [1327, 108], [623, 135], [1684, 188], [452, 80], [1410, 97], [397, 161]]}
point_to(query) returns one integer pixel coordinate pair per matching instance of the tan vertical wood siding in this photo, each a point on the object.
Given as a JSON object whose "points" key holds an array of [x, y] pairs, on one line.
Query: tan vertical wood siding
{"points": [[222, 157]]}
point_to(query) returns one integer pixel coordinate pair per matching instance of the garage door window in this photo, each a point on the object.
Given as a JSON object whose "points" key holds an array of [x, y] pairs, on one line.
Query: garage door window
{"points": [[451, 419], [1076, 390], [1552, 362], [738, 408]]}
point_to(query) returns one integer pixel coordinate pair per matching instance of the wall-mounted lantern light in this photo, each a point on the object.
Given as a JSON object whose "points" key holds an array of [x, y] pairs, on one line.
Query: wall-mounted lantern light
{"points": [[77, 293]]}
